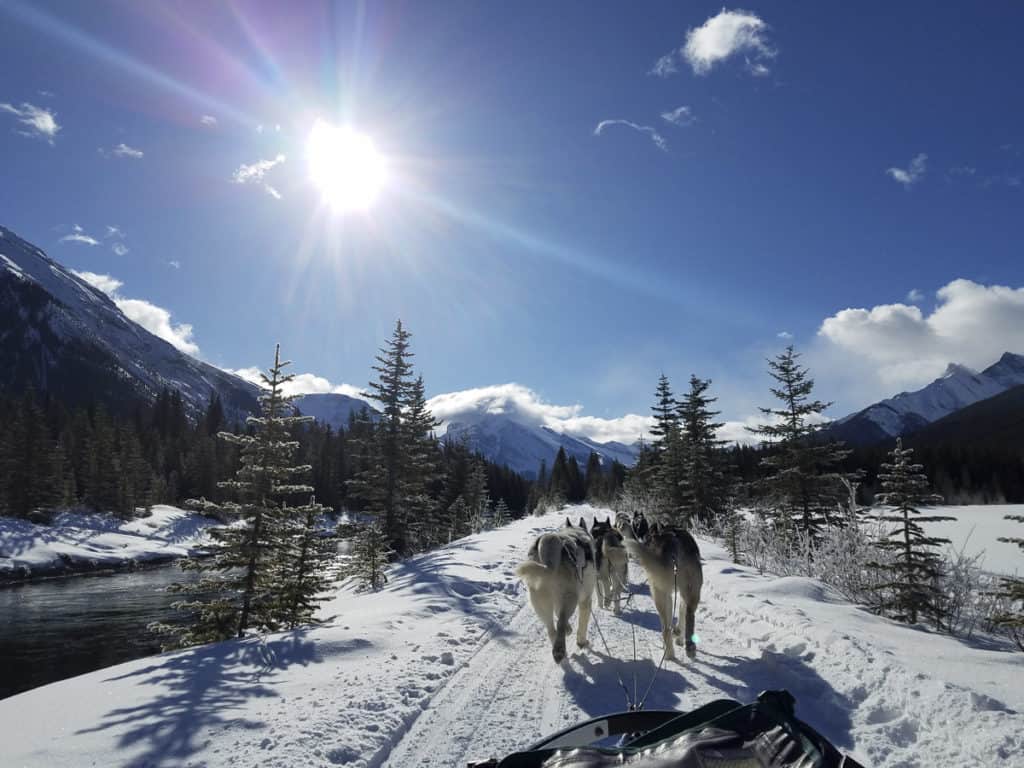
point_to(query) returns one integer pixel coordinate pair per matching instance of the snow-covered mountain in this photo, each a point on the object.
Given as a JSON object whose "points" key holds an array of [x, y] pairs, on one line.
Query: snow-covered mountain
{"points": [[505, 439], [332, 408], [58, 334], [908, 412]]}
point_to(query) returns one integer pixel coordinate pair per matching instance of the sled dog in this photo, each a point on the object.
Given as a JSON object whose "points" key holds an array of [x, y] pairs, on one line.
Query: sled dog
{"points": [[561, 574], [612, 564], [671, 559]]}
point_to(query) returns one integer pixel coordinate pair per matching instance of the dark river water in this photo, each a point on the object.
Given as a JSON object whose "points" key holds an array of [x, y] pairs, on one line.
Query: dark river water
{"points": [[59, 628]]}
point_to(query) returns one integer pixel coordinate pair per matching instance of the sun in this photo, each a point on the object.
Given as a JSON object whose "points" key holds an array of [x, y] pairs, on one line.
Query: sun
{"points": [[345, 166]]}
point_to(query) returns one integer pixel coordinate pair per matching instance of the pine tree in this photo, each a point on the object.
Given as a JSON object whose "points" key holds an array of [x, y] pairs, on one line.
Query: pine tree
{"points": [[576, 490], [703, 479], [666, 416], [381, 486], [803, 484], [476, 497], [302, 567], [558, 485], [421, 467], [369, 557], [240, 586], [501, 513], [1013, 590], [595, 485], [911, 589]]}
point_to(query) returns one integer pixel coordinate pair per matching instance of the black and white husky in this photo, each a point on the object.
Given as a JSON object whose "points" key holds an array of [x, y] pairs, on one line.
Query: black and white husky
{"points": [[671, 560], [612, 563], [561, 575]]}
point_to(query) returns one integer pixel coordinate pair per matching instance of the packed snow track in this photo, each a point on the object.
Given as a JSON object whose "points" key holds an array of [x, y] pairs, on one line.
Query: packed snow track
{"points": [[448, 663]]}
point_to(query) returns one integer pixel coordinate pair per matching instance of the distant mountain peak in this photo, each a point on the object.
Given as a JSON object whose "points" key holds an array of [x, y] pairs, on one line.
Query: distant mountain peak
{"points": [[957, 388]]}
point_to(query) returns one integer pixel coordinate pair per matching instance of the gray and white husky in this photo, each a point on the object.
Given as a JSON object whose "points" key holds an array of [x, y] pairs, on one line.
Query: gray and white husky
{"points": [[612, 563], [561, 575], [671, 559]]}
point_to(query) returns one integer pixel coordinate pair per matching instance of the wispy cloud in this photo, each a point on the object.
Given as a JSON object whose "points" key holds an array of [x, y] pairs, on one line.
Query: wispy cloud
{"points": [[680, 116], [915, 296], [36, 122], [208, 120], [78, 235], [911, 174], [114, 231], [119, 248], [666, 65], [784, 335], [725, 35], [153, 318], [174, 264], [122, 150], [256, 173], [657, 138]]}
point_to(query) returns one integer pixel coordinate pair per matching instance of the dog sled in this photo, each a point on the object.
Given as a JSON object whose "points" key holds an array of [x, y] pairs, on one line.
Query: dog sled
{"points": [[723, 733]]}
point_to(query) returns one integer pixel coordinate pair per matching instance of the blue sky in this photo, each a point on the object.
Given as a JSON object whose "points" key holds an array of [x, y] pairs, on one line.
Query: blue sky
{"points": [[849, 175]]}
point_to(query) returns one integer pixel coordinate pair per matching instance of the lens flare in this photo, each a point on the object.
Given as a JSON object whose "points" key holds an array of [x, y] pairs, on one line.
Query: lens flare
{"points": [[345, 166]]}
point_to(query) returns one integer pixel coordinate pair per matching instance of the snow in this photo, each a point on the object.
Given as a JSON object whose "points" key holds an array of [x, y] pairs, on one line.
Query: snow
{"points": [[89, 541], [977, 529], [449, 662]]}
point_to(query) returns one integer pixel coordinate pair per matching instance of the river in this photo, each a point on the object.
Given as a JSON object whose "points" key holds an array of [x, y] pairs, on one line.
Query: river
{"points": [[58, 628]]}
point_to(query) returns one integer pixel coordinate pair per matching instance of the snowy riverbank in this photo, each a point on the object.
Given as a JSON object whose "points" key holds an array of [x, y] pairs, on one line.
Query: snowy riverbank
{"points": [[86, 542], [448, 661]]}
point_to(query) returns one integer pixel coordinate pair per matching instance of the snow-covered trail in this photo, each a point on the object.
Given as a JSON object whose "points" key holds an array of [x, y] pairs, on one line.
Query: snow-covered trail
{"points": [[862, 697], [448, 662]]}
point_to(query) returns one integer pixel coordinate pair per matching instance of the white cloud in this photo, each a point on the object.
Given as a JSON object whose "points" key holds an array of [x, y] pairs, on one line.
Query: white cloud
{"points": [[114, 231], [722, 36], [154, 319], [255, 173], [78, 235], [526, 407], [679, 116], [786, 335], [972, 324], [38, 122], [105, 283], [915, 296], [302, 384], [122, 150], [208, 120], [665, 66], [912, 174], [657, 138], [119, 248], [174, 264]]}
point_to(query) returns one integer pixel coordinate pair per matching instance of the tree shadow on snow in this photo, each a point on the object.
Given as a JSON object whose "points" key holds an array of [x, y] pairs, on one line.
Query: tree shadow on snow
{"points": [[202, 690]]}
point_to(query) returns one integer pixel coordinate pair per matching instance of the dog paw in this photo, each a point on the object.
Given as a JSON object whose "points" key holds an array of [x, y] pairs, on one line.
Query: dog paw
{"points": [[691, 650], [583, 643]]}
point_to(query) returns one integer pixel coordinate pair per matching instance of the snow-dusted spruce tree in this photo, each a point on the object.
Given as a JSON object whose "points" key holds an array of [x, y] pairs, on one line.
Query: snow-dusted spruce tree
{"points": [[501, 514], [1013, 590], [240, 586], [422, 468], [802, 484], [302, 569], [703, 483], [910, 587], [667, 455], [476, 496]]}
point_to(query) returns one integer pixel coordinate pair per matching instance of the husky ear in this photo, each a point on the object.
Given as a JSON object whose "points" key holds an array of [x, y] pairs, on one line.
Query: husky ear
{"points": [[608, 520], [568, 522], [583, 523]]}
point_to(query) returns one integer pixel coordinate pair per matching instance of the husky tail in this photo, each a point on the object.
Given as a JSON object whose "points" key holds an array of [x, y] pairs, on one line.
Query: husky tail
{"points": [[537, 571]]}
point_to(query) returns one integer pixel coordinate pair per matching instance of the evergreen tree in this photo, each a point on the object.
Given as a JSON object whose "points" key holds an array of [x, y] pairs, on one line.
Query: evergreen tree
{"points": [[666, 416], [703, 478], [476, 497], [421, 512], [576, 488], [803, 484], [302, 567], [558, 485], [240, 585], [501, 514], [370, 555], [911, 589], [1013, 589], [595, 485]]}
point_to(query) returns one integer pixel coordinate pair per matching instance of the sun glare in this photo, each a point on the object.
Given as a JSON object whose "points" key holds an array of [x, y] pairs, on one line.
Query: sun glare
{"points": [[345, 166]]}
